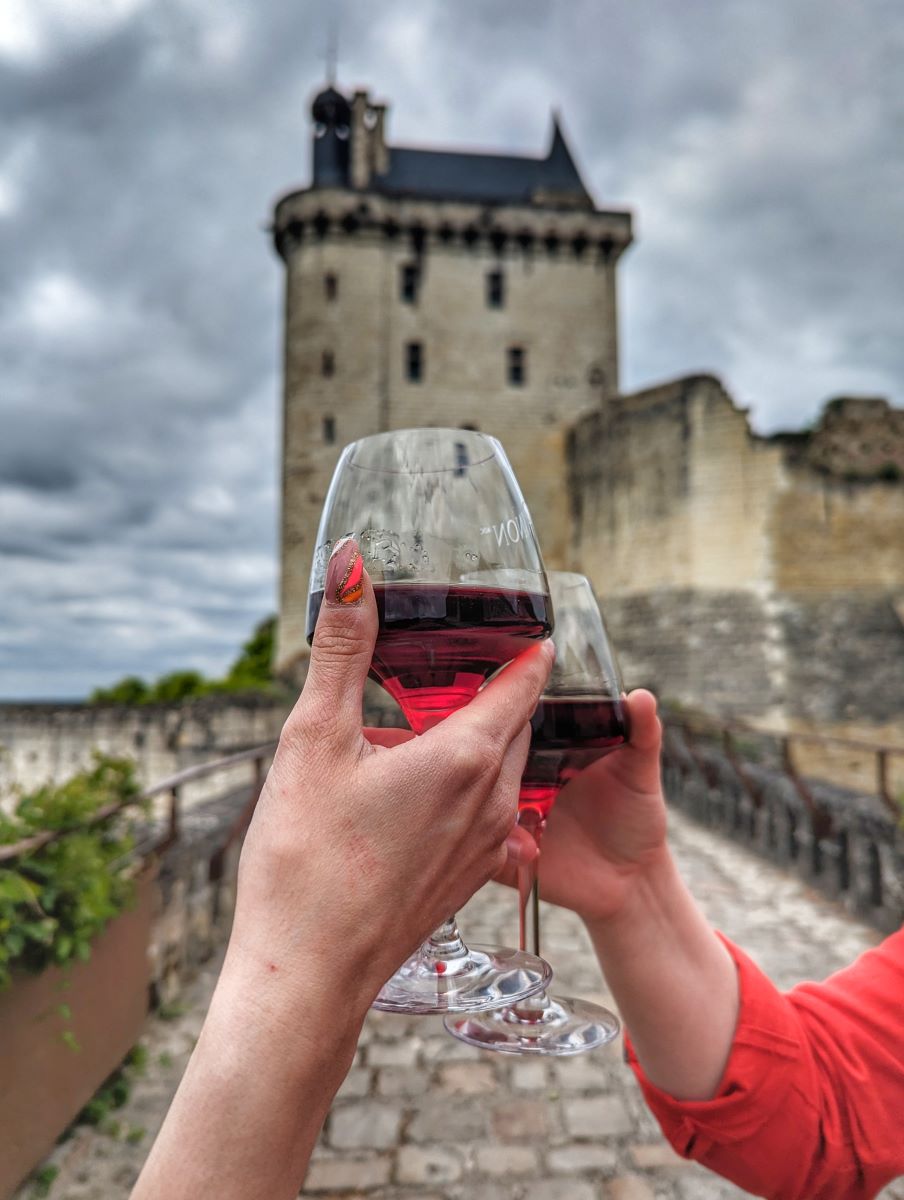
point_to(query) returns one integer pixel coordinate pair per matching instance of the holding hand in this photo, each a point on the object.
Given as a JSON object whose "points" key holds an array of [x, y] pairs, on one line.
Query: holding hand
{"points": [[357, 849], [608, 826]]}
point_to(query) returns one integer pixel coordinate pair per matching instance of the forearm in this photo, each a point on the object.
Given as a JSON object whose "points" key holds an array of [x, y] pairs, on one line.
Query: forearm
{"points": [[255, 1094], [674, 982]]}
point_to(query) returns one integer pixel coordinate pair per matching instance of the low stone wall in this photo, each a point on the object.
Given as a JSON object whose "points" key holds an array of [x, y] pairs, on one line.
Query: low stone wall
{"points": [[846, 843], [196, 894], [44, 743]]}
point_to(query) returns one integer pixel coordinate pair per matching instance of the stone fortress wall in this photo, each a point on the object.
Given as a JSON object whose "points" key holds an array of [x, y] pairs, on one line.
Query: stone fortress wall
{"points": [[746, 575], [570, 355], [755, 576], [42, 743], [348, 324]]}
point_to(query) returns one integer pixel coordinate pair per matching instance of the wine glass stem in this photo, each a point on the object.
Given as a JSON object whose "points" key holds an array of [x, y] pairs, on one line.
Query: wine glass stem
{"points": [[529, 936], [529, 893], [446, 942]]}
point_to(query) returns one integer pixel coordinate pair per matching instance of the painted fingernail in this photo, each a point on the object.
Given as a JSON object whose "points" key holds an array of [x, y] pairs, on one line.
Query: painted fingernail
{"points": [[344, 574]]}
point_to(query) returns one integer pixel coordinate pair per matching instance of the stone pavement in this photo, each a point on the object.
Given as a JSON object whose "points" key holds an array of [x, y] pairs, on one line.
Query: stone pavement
{"points": [[422, 1116]]}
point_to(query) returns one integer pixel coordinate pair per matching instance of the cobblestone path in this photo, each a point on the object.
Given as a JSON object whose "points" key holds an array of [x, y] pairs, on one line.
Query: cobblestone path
{"points": [[422, 1116]]}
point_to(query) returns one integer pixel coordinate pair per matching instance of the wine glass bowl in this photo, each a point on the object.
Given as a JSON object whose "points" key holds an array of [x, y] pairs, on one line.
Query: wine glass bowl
{"points": [[460, 588], [447, 542], [580, 718]]}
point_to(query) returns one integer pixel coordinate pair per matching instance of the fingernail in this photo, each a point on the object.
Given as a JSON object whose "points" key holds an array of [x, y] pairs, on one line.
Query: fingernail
{"points": [[344, 574]]}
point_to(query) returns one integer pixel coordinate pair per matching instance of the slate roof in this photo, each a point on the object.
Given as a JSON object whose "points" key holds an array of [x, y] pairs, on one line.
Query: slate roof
{"points": [[485, 178]]}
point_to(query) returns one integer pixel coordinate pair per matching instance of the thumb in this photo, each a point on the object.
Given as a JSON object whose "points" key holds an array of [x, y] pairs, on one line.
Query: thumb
{"points": [[637, 764], [344, 638]]}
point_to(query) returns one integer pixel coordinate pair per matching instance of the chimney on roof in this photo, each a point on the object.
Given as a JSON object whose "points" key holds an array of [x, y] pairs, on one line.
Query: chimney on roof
{"points": [[369, 153]]}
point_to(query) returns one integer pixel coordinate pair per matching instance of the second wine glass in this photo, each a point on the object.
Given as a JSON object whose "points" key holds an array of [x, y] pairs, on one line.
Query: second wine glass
{"points": [[461, 590], [581, 717]]}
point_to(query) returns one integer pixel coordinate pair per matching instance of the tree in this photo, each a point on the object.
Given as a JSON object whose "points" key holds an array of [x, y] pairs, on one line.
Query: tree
{"points": [[178, 685], [252, 668], [131, 690], [250, 672]]}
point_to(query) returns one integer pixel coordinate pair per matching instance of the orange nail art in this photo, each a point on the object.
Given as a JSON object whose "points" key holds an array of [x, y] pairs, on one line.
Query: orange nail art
{"points": [[351, 588], [345, 573]]}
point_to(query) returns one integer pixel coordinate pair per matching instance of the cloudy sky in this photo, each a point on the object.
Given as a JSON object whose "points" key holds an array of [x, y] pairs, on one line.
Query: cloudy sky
{"points": [[143, 141]]}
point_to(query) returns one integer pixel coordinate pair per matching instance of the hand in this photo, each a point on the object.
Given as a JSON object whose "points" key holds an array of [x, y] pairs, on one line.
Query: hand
{"points": [[358, 850], [608, 825]]}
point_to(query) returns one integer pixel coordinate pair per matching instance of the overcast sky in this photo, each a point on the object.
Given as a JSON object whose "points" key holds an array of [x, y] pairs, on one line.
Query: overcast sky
{"points": [[143, 141]]}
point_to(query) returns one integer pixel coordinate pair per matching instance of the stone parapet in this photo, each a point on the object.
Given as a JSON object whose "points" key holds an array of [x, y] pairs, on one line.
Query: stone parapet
{"points": [[44, 743], [844, 842]]}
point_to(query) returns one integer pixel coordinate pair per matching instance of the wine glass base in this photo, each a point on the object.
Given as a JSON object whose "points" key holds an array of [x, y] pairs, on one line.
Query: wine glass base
{"points": [[561, 1027], [486, 977]]}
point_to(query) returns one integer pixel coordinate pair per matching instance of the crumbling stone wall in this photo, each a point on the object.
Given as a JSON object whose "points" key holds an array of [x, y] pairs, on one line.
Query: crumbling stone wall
{"points": [[843, 841], [756, 576], [41, 743]]}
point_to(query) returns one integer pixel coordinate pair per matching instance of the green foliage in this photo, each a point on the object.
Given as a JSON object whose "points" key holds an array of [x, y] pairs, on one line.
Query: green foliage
{"points": [[130, 690], [137, 1059], [253, 667], [250, 672], [42, 1180], [113, 1094], [54, 901], [171, 1011], [178, 685]]}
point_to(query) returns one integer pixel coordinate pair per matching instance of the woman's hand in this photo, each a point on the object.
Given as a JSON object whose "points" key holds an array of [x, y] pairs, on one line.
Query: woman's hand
{"points": [[359, 847], [357, 851], [608, 825], [604, 855]]}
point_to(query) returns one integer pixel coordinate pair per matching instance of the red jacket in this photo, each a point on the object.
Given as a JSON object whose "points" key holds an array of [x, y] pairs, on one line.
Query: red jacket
{"points": [[811, 1104]]}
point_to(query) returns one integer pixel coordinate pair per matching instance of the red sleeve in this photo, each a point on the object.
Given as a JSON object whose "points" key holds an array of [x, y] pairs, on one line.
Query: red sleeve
{"points": [[811, 1103]]}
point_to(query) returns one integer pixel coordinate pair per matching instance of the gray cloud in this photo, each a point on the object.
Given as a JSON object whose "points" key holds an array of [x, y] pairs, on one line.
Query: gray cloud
{"points": [[143, 142]]}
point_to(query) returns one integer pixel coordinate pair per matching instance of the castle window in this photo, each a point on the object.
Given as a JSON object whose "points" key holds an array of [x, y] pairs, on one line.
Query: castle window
{"points": [[495, 289], [329, 430], [414, 361], [409, 278], [330, 286], [327, 364], [516, 366]]}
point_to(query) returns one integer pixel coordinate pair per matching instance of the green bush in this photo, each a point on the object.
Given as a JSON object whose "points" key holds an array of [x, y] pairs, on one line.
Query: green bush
{"points": [[250, 672], [55, 900]]}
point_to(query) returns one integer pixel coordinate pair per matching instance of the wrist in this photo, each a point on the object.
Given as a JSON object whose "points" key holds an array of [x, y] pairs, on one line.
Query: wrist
{"points": [[646, 901], [299, 1010]]}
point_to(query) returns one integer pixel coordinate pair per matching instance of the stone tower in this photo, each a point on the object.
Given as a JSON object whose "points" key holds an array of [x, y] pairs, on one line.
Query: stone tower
{"points": [[434, 287]]}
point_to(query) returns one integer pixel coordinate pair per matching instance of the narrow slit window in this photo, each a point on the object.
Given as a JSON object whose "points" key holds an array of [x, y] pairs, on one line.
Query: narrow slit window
{"points": [[327, 364], [517, 366], [330, 286], [495, 289], [409, 279], [414, 362], [329, 430]]}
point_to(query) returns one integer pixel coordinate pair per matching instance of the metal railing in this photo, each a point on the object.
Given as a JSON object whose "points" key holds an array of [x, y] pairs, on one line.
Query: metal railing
{"points": [[694, 723], [172, 786]]}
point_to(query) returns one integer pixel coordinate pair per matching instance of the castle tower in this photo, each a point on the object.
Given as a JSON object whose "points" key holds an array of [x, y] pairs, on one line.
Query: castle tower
{"points": [[433, 287]]}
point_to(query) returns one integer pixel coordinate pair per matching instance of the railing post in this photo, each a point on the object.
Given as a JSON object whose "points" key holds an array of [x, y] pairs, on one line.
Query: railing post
{"points": [[258, 784], [883, 785], [174, 814]]}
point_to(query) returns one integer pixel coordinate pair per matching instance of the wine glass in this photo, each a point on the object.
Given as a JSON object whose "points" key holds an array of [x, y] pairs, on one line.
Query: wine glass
{"points": [[581, 717], [461, 590]]}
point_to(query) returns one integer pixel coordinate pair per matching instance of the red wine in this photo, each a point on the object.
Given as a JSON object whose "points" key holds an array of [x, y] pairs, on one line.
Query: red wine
{"points": [[438, 643], [568, 733]]}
